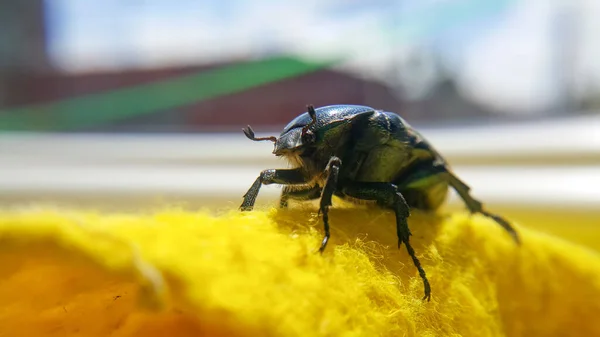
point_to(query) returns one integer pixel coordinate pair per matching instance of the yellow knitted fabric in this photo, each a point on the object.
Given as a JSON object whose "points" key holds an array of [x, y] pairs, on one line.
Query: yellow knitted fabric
{"points": [[182, 273]]}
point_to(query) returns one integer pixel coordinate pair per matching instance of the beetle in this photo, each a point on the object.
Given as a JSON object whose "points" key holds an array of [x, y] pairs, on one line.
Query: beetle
{"points": [[360, 154]]}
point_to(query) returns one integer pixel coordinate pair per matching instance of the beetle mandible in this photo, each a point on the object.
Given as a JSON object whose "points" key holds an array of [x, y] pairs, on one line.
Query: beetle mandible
{"points": [[362, 154]]}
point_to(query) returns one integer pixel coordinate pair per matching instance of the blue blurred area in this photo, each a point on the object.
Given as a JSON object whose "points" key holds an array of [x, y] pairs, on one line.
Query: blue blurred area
{"points": [[436, 61], [119, 29]]}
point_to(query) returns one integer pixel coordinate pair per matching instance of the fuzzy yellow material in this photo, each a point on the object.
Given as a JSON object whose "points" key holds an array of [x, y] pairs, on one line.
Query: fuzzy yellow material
{"points": [[181, 273]]}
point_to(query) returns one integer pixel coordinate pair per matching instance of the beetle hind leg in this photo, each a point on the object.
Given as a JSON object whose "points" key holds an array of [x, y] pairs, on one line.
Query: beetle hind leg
{"points": [[386, 194], [402, 213], [475, 206]]}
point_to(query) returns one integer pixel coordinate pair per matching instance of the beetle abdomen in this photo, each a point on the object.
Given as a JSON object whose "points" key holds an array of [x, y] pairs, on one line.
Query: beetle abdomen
{"points": [[427, 199], [382, 164], [424, 185]]}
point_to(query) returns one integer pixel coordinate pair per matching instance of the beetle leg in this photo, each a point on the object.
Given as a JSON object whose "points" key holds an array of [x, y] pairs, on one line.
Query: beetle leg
{"points": [[308, 193], [475, 206], [333, 168], [271, 176], [387, 195]]}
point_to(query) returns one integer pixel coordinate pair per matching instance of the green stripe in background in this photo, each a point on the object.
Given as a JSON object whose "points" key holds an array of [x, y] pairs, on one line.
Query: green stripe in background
{"points": [[102, 108]]}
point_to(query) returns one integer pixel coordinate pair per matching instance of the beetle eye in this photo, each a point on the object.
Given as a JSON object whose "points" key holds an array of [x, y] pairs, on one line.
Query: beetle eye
{"points": [[308, 137]]}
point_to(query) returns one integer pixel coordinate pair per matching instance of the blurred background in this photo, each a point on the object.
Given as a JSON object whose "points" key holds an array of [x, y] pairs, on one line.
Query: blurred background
{"points": [[137, 104]]}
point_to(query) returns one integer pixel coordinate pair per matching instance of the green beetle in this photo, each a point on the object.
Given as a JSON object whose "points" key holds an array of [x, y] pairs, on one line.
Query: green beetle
{"points": [[359, 153]]}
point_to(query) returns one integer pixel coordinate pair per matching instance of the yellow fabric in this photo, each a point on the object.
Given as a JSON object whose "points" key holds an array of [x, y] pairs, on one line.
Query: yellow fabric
{"points": [[181, 273]]}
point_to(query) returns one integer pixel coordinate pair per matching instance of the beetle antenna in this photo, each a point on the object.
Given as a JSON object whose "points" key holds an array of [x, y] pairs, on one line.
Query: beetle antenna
{"points": [[250, 134], [313, 115]]}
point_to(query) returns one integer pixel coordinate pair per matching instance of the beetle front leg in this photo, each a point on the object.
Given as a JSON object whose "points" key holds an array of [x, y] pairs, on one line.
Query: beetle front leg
{"points": [[387, 195], [333, 169], [271, 176], [475, 206]]}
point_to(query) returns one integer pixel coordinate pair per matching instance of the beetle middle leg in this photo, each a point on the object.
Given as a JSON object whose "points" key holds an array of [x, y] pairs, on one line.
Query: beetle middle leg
{"points": [[271, 176], [387, 195]]}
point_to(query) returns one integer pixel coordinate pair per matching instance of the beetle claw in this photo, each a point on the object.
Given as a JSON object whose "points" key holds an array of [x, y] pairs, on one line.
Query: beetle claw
{"points": [[504, 224]]}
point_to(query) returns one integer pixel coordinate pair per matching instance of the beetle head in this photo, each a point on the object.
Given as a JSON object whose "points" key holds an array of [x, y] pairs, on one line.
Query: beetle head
{"points": [[293, 139]]}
